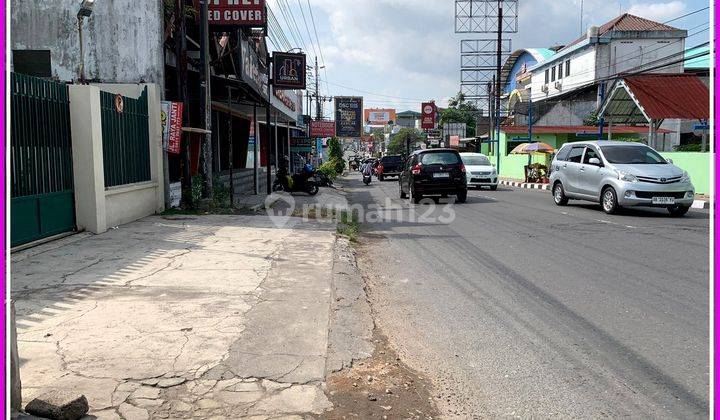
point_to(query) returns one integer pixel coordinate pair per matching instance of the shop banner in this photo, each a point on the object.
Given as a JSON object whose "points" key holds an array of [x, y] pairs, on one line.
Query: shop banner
{"points": [[289, 71], [253, 70], [348, 116], [171, 116], [428, 116], [235, 13], [322, 128], [250, 159]]}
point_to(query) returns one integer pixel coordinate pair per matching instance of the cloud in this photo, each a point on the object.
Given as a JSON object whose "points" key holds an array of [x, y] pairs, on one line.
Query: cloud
{"points": [[659, 12]]}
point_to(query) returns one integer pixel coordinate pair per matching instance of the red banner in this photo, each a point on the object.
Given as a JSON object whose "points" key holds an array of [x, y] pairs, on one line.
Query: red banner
{"points": [[428, 115], [322, 128], [235, 12], [172, 120]]}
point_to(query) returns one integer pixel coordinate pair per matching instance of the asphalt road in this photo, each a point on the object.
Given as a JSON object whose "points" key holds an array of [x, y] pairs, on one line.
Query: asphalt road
{"points": [[517, 307]]}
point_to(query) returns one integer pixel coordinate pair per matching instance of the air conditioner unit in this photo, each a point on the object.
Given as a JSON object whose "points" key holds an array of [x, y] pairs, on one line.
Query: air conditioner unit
{"points": [[558, 85], [544, 88]]}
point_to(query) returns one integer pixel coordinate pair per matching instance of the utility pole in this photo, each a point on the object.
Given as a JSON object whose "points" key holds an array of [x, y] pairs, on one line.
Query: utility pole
{"points": [[491, 131], [498, 83], [268, 130], [230, 147], [181, 63], [206, 108], [318, 110]]}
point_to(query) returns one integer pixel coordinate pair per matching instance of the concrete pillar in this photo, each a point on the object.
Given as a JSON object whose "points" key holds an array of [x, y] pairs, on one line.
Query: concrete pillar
{"points": [[156, 150], [88, 169], [15, 383]]}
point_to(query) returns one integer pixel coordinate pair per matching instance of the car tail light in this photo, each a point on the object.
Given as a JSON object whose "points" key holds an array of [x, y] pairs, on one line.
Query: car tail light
{"points": [[416, 169], [380, 169], [462, 168]]}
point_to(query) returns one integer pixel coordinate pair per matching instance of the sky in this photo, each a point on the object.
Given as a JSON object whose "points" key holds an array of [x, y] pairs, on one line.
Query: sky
{"points": [[398, 53]]}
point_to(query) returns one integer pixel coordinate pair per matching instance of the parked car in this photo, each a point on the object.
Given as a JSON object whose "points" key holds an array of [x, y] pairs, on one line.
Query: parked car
{"points": [[480, 172], [617, 174], [433, 172], [389, 166]]}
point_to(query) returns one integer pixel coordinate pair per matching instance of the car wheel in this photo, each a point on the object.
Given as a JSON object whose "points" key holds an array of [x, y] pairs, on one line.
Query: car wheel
{"points": [[609, 201], [678, 210], [462, 196], [493, 188], [402, 193], [380, 178], [559, 195]]}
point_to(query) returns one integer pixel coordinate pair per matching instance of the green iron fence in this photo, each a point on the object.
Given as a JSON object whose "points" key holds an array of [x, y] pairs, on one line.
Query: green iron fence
{"points": [[126, 148], [41, 173]]}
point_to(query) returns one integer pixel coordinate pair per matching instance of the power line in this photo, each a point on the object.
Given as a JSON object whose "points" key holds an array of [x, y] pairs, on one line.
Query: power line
{"points": [[307, 28], [312, 19]]}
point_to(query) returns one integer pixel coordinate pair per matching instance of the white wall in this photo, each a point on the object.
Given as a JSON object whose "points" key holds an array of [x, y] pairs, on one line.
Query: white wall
{"points": [[123, 38], [582, 72]]}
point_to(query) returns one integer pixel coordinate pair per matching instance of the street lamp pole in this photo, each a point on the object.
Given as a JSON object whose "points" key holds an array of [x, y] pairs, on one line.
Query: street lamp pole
{"points": [[86, 9]]}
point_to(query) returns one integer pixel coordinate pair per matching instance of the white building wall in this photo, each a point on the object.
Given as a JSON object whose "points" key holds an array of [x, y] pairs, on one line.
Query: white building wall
{"points": [[582, 73], [123, 39]]}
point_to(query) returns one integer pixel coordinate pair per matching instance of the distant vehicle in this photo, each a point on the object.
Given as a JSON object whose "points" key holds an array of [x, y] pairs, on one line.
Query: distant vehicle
{"points": [[389, 166], [433, 172], [617, 174], [480, 171]]}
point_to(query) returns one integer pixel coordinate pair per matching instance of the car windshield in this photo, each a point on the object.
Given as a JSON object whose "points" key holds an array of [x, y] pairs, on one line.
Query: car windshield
{"points": [[439, 158], [476, 160], [392, 159], [632, 155]]}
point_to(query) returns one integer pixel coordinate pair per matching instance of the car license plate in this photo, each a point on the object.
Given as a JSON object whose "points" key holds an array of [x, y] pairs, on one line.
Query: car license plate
{"points": [[663, 200], [441, 175]]}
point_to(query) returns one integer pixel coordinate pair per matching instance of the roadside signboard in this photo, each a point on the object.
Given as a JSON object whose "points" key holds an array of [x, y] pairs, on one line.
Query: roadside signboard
{"points": [[454, 141], [289, 70], [322, 128], [380, 116], [348, 116], [253, 72], [235, 13], [171, 117], [428, 115], [301, 144]]}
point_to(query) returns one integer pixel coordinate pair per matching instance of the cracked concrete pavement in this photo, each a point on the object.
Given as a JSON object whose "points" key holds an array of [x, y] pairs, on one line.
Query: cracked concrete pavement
{"points": [[178, 317]]}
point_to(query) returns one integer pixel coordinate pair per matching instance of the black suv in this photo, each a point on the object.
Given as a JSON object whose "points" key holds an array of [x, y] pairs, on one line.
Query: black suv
{"points": [[389, 166], [433, 172]]}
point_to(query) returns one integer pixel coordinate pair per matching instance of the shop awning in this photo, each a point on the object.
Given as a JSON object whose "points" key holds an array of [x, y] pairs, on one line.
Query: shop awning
{"points": [[575, 129]]}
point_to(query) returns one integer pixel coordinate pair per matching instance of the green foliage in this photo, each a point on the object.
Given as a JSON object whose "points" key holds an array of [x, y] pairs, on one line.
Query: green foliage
{"points": [[335, 153], [398, 142], [221, 193], [349, 225], [591, 119], [196, 189], [693, 147], [329, 168], [460, 111]]}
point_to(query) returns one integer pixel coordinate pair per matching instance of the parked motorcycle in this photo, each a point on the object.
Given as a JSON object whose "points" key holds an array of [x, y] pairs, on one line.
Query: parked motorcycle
{"points": [[367, 179], [303, 181], [323, 180]]}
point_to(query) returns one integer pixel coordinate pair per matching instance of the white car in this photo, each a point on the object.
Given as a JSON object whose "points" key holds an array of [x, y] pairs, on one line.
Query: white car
{"points": [[480, 172]]}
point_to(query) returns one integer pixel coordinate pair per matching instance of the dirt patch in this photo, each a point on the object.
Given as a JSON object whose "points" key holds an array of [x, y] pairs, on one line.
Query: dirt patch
{"points": [[380, 387]]}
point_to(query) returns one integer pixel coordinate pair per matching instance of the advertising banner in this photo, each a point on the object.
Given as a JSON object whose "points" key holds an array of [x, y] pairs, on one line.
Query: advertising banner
{"points": [[454, 141], [235, 13], [322, 128], [250, 159], [289, 71], [301, 144], [380, 116], [348, 116], [253, 71], [171, 116], [428, 115]]}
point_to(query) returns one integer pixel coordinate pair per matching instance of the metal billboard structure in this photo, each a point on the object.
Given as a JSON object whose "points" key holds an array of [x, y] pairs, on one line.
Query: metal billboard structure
{"points": [[479, 58]]}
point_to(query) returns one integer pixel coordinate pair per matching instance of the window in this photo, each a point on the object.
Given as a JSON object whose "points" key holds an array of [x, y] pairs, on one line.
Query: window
{"points": [[552, 79], [440, 158], [639, 155], [563, 153], [591, 153], [476, 160], [567, 68], [547, 76], [560, 68], [575, 154]]}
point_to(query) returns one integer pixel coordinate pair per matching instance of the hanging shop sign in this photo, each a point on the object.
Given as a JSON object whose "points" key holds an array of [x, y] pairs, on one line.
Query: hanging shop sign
{"points": [[289, 70], [254, 72], [301, 144], [428, 115], [235, 13], [171, 118], [348, 116], [322, 128]]}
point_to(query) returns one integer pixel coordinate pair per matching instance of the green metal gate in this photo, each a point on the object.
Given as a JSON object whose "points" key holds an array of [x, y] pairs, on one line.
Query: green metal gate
{"points": [[126, 139], [42, 200]]}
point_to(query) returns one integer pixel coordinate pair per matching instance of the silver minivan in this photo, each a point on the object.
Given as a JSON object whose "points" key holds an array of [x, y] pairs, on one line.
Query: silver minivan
{"points": [[617, 174]]}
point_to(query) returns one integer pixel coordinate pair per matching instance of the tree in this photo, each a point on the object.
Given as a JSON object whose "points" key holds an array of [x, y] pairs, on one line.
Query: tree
{"points": [[460, 111], [398, 142]]}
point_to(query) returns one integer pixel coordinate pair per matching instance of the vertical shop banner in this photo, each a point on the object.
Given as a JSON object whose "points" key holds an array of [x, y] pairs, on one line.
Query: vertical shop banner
{"points": [[428, 116], [348, 116], [250, 160], [171, 118]]}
